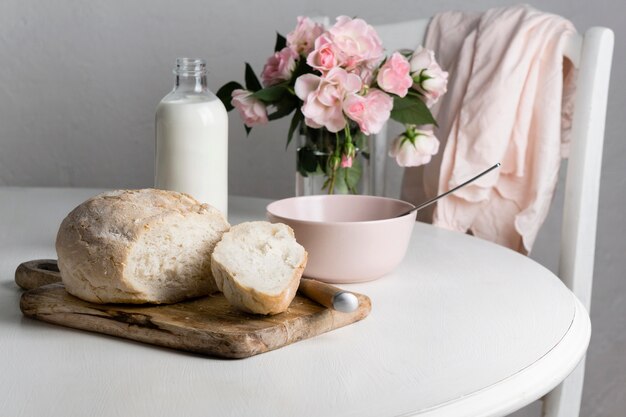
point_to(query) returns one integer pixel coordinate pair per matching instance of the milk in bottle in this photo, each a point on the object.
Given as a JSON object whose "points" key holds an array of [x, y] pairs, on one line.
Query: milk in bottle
{"points": [[192, 138]]}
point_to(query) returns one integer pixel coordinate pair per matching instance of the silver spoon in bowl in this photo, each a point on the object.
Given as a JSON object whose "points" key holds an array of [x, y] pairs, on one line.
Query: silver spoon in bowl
{"points": [[432, 200]]}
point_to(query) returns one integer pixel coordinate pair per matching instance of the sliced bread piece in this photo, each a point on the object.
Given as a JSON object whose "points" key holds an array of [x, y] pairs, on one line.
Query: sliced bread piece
{"points": [[258, 265]]}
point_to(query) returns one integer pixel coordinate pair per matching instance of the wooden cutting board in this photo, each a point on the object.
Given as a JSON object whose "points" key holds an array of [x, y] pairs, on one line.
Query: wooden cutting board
{"points": [[207, 325]]}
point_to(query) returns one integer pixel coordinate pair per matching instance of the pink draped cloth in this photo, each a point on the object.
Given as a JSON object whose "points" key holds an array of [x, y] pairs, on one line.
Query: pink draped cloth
{"points": [[509, 100]]}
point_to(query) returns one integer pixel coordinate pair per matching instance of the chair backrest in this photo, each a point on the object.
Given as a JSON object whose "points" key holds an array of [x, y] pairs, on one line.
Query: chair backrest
{"points": [[592, 55]]}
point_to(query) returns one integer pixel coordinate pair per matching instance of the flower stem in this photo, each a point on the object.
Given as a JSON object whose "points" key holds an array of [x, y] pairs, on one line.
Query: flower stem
{"points": [[333, 169], [347, 132]]}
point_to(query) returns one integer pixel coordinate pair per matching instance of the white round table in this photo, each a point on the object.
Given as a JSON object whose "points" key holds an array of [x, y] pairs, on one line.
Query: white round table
{"points": [[462, 328]]}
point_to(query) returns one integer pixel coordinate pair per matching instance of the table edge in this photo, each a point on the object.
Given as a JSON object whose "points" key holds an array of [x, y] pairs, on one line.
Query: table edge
{"points": [[528, 384]]}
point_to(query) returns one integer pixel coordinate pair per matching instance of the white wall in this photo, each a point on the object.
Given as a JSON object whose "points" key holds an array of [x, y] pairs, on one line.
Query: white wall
{"points": [[79, 82]]}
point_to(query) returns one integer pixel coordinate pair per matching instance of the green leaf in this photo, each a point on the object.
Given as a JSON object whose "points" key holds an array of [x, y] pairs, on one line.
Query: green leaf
{"points": [[225, 93], [307, 160], [295, 122], [302, 171], [407, 53], [412, 110], [360, 141], [252, 82], [284, 107], [353, 175], [347, 179], [271, 94], [281, 42], [301, 68], [322, 161]]}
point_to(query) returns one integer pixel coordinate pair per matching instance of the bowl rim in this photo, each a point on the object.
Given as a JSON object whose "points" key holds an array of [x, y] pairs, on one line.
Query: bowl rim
{"points": [[409, 206]]}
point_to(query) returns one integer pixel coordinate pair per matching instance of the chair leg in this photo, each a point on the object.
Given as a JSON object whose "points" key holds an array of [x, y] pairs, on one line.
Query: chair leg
{"points": [[564, 400]]}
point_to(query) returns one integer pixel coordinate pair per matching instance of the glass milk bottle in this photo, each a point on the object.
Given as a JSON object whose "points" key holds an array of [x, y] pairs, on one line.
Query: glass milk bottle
{"points": [[192, 138]]}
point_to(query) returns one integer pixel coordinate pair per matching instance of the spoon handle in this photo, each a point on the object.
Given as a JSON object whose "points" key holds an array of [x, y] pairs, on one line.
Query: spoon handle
{"points": [[432, 200], [329, 295]]}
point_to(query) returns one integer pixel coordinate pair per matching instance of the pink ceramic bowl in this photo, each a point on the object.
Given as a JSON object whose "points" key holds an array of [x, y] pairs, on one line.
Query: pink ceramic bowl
{"points": [[349, 238]]}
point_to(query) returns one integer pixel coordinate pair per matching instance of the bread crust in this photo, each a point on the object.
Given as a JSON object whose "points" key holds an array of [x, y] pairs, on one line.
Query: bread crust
{"points": [[96, 238]]}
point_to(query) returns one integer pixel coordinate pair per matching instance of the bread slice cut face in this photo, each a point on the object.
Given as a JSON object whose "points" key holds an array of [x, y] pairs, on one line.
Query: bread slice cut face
{"points": [[258, 265]]}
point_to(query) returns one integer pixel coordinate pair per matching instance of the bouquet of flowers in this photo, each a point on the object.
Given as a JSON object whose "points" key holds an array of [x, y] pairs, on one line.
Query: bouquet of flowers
{"points": [[340, 88]]}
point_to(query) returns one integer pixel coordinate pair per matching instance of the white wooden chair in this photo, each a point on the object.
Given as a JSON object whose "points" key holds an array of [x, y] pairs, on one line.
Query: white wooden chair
{"points": [[592, 54]]}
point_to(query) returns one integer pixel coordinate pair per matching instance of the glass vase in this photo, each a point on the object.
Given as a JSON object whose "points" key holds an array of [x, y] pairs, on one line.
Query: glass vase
{"points": [[315, 146]]}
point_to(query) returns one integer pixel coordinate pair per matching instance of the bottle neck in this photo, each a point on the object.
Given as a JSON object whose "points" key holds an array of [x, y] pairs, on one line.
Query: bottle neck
{"points": [[191, 83], [190, 75]]}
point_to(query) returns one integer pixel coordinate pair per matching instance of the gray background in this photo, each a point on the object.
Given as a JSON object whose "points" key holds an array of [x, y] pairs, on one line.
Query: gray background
{"points": [[79, 83]]}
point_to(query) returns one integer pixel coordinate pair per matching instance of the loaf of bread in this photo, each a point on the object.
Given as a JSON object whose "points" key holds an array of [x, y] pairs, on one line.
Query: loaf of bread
{"points": [[139, 246], [258, 265]]}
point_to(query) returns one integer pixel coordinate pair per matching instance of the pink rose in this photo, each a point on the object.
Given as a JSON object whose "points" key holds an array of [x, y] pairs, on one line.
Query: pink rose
{"points": [[415, 147], [370, 111], [302, 38], [279, 67], [429, 79], [323, 57], [346, 161], [394, 76], [323, 97], [251, 110], [356, 43], [366, 72]]}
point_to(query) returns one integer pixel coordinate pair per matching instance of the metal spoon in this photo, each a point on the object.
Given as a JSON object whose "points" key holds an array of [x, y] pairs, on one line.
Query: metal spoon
{"points": [[432, 200]]}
